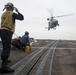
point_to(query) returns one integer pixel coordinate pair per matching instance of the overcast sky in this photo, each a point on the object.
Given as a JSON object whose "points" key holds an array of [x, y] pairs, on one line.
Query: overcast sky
{"points": [[36, 13]]}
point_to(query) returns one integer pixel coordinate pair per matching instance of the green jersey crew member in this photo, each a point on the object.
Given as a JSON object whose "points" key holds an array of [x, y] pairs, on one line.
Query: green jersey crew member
{"points": [[6, 31]]}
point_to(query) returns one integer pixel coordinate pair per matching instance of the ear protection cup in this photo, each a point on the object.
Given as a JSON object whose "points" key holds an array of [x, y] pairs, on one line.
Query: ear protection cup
{"points": [[9, 5]]}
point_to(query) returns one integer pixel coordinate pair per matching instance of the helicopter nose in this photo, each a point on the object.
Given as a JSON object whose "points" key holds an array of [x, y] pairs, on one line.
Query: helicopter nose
{"points": [[47, 18]]}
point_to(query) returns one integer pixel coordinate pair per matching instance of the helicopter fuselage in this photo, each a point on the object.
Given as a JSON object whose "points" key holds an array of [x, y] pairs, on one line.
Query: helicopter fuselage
{"points": [[52, 23]]}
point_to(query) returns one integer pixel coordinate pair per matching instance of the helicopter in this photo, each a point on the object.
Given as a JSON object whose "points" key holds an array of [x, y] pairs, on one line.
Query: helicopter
{"points": [[53, 22]]}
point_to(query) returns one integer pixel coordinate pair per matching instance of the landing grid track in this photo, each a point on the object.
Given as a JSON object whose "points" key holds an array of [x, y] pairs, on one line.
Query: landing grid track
{"points": [[38, 62]]}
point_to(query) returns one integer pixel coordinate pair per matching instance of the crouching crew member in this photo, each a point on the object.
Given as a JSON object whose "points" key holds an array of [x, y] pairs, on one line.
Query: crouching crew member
{"points": [[25, 40], [6, 31], [15, 42]]}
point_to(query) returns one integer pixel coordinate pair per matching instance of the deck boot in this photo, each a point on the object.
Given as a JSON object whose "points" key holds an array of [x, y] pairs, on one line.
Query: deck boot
{"points": [[8, 61], [4, 69]]}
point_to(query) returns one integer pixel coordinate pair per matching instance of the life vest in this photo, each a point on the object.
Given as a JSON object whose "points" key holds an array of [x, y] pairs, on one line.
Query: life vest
{"points": [[7, 21]]}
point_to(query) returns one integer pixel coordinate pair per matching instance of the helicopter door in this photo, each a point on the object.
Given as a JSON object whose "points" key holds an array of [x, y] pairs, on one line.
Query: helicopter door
{"points": [[56, 23], [51, 25]]}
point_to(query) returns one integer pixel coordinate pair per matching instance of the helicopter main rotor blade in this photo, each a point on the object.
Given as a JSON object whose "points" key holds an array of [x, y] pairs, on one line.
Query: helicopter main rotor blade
{"points": [[63, 15], [50, 12]]}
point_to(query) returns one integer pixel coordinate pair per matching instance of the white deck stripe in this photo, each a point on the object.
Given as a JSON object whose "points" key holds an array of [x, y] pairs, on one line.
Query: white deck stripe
{"points": [[56, 48], [50, 47]]}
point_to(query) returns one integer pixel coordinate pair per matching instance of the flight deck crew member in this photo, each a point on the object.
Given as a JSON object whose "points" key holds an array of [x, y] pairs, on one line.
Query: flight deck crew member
{"points": [[6, 31], [15, 42], [25, 40]]}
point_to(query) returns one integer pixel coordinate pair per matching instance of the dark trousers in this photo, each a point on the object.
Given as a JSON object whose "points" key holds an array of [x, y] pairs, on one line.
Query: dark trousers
{"points": [[16, 46], [6, 37], [22, 45]]}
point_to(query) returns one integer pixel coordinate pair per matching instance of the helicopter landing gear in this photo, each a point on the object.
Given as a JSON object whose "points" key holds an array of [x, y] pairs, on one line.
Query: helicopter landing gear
{"points": [[48, 28], [58, 24], [54, 28]]}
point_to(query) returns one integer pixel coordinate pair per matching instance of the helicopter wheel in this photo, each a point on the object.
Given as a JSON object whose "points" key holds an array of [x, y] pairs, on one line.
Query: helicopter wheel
{"points": [[58, 24], [48, 28]]}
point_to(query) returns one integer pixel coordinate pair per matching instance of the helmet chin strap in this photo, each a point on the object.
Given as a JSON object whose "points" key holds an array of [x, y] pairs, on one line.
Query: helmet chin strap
{"points": [[4, 9]]}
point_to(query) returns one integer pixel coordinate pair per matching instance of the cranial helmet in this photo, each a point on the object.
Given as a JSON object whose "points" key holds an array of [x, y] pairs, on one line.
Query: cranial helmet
{"points": [[9, 5], [26, 33]]}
